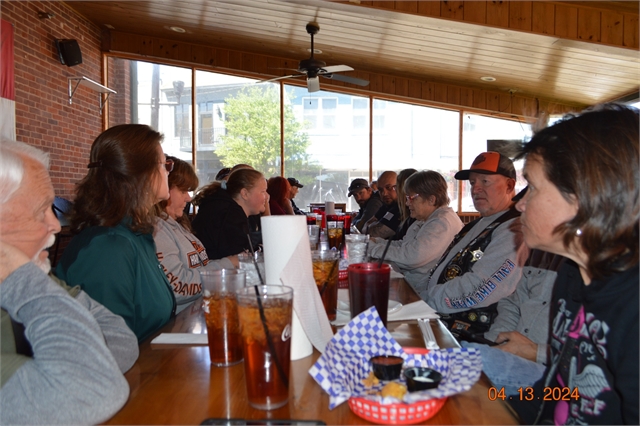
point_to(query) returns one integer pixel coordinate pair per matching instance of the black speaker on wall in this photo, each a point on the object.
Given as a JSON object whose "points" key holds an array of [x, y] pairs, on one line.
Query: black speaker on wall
{"points": [[69, 52]]}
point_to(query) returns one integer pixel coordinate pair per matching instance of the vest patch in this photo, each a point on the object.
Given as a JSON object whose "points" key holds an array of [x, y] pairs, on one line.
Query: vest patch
{"points": [[482, 292]]}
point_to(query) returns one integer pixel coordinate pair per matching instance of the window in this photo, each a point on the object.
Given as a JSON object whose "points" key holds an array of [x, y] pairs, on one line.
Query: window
{"points": [[320, 113], [329, 109], [326, 134], [483, 133], [327, 156], [238, 122], [360, 114], [421, 138], [310, 107], [379, 111], [182, 125]]}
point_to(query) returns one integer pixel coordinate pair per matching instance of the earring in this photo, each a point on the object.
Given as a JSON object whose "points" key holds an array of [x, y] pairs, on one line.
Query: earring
{"points": [[578, 232]]}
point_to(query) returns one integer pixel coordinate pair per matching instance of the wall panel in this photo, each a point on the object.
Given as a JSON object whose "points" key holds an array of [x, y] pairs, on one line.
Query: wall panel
{"points": [[44, 117]]}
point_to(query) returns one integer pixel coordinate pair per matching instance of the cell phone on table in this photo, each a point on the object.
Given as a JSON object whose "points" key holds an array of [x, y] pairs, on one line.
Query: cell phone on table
{"points": [[475, 338], [265, 422]]}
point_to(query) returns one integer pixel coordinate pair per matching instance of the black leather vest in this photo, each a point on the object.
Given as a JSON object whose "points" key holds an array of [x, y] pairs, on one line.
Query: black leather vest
{"points": [[474, 320]]}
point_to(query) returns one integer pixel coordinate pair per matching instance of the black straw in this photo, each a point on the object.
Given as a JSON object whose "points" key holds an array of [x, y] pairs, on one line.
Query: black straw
{"points": [[263, 317], [384, 253], [326, 283]]}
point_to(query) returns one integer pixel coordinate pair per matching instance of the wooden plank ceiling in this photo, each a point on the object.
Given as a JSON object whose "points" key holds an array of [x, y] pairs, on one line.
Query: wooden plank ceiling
{"points": [[389, 42]]}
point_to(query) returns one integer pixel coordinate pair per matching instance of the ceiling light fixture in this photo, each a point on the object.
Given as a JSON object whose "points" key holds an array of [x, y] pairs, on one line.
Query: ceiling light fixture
{"points": [[178, 29], [488, 78]]}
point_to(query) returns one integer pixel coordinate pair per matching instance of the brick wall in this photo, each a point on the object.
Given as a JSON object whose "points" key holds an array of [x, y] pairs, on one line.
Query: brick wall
{"points": [[44, 117], [120, 103]]}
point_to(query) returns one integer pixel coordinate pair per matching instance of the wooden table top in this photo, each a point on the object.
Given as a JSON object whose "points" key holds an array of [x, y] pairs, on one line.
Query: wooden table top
{"points": [[176, 384]]}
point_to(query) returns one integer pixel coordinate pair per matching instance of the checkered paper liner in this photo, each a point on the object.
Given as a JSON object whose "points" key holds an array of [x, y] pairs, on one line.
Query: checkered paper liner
{"points": [[345, 363]]}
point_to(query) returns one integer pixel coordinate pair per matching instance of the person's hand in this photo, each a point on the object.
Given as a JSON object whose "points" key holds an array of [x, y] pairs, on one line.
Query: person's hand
{"points": [[517, 344], [10, 259], [234, 260], [288, 207]]}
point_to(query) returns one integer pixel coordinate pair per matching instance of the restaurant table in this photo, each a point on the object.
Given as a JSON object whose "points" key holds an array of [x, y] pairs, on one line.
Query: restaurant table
{"points": [[176, 384]]}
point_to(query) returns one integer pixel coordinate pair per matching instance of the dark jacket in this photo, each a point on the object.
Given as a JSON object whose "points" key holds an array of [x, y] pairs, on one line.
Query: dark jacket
{"points": [[222, 226], [594, 348], [367, 211]]}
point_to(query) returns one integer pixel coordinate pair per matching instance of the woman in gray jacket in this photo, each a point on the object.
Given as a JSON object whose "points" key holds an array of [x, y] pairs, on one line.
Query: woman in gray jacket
{"points": [[180, 253], [428, 237]]}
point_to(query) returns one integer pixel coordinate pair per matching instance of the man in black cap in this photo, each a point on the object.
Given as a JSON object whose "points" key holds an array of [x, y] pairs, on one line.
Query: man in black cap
{"points": [[295, 186], [386, 220], [483, 263], [368, 201]]}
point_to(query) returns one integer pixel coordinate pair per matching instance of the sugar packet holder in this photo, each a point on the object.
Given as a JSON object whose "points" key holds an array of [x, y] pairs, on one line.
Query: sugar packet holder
{"points": [[344, 365]]}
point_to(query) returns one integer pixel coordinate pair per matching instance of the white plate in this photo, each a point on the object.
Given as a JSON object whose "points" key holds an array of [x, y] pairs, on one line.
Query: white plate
{"points": [[394, 306]]}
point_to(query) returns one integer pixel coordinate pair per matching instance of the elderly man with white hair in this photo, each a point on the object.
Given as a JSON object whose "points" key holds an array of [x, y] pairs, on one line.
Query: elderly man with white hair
{"points": [[62, 354], [483, 263]]}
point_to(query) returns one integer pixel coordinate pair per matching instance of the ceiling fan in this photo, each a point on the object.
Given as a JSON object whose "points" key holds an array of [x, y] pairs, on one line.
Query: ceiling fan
{"points": [[313, 68]]}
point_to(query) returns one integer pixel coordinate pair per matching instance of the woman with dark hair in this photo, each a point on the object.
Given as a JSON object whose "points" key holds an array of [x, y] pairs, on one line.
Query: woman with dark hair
{"points": [[582, 202], [113, 256], [279, 202], [428, 237], [181, 254], [223, 208]]}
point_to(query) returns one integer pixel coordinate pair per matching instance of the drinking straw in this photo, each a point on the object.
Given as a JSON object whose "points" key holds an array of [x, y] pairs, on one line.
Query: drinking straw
{"points": [[384, 253], [326, 283], [263, 317]]}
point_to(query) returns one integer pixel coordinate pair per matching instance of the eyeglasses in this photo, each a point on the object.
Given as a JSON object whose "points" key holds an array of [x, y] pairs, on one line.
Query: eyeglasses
{"points": [[410, 198], [168, 164]]}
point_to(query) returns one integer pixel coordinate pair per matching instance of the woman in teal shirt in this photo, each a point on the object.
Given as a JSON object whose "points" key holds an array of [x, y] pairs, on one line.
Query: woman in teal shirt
{"points": [[113, 256]]}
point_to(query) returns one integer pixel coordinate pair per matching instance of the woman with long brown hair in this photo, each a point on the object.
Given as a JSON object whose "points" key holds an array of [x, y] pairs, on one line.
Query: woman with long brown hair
{"points": [[181, 253], [223, 210], [113, 256]]}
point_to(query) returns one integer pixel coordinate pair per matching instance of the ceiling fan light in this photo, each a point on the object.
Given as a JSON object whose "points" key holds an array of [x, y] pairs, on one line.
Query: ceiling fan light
{"points": [[313, 84]]}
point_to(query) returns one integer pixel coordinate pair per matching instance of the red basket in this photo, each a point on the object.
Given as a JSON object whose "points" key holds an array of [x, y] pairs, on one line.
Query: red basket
{"points": [[399, 414]]}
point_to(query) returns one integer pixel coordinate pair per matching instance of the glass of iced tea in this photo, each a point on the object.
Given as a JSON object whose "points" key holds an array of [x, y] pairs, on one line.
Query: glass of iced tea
{"points": [[334, 233], [220, 313], [265, 325], [325, 272]]}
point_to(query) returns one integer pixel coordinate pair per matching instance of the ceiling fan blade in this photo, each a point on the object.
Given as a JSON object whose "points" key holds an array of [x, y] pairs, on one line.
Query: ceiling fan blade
{"points": [[347, 79], [335, 68], [280, 78], [313, 84]]}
